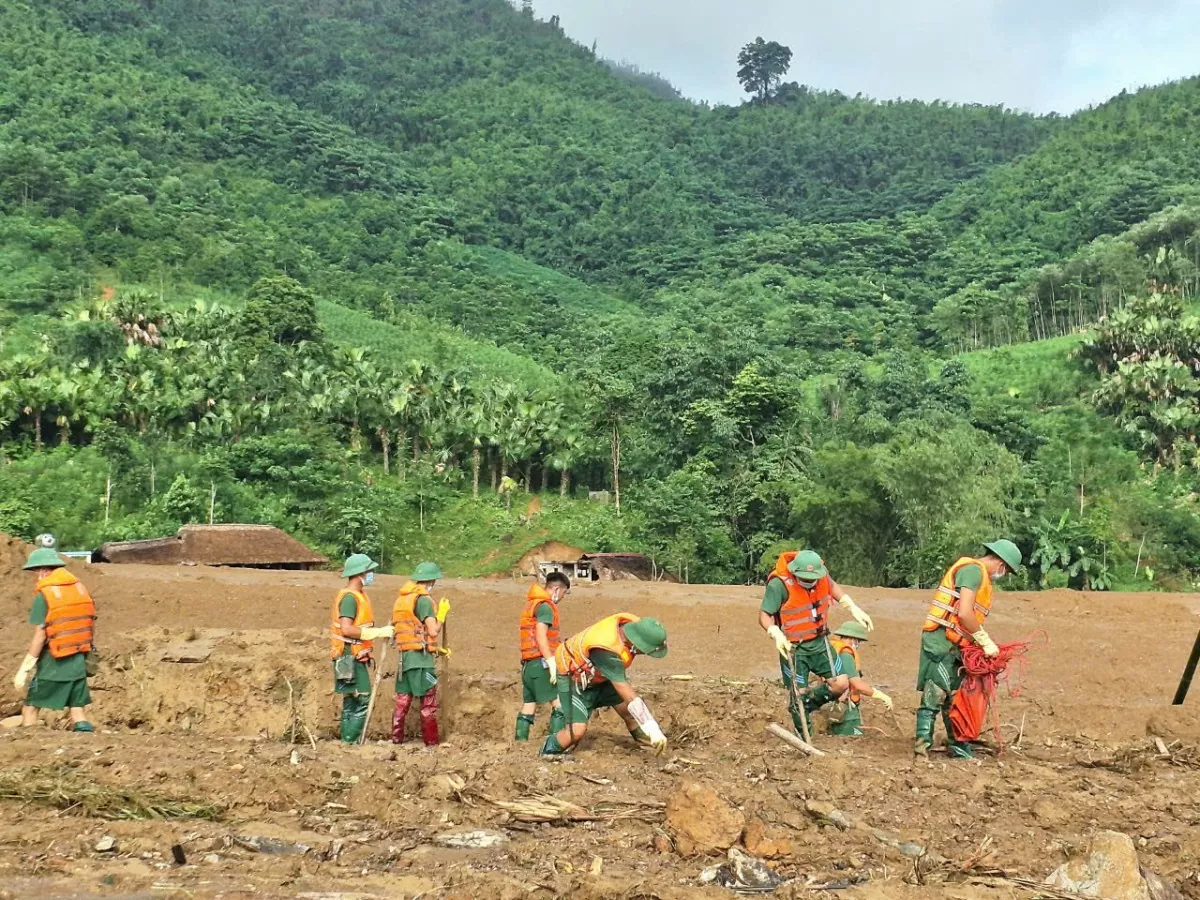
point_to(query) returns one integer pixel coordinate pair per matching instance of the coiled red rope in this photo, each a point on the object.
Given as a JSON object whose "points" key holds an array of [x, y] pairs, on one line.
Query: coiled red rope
{"points": [[981, 676]]}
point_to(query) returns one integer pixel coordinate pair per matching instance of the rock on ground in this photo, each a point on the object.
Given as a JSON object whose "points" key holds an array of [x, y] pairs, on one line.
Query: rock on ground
{"points": [[1109, 870], [701, 821]]}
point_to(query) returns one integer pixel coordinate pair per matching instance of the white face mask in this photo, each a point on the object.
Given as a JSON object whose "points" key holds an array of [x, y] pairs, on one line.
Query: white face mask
{"points": [[368, 579]]}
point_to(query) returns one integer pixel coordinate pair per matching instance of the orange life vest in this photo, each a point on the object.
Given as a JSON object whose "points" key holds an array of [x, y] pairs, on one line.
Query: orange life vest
{"points": [[410, 631], [943, 610], [805, 614], [529, 648], [362, 616], [572, 655], [839, 647], [70, 614]]}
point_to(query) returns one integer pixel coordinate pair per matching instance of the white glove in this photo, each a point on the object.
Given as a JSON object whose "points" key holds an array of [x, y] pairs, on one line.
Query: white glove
{"points": [[22, 677], [552, 669], [641, 715], [782, 644], [882, 698], [982, 638], [859, 616], [371, 633]]}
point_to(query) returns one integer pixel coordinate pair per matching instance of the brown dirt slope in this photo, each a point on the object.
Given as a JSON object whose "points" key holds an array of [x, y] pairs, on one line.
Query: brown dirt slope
{"points": [[250, 729]]}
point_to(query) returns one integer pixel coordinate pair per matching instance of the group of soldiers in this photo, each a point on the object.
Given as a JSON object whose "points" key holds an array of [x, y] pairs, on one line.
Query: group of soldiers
{"points": [[795, 615], [819, 667], [578, 676]]}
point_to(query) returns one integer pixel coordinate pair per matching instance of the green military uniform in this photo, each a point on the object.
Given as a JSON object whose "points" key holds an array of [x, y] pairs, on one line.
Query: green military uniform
{"points": [[812, 658], [536, 686], [56, 683], [356, 693], [939, 672], [846, 720], [417, 673], [535, 676], [579, 705]]}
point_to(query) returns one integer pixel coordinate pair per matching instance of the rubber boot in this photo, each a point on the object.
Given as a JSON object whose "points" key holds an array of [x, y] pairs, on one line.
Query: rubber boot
{"points": [[552, 747], [399, 713], [354, 717], [558, 720], [958, 749], [850, 723], [84, 727], [925, 724], [817, 697], [429, 724], [524, 723]]}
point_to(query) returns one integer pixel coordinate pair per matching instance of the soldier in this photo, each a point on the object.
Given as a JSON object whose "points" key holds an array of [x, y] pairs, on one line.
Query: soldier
{"points": [[64, 620]]}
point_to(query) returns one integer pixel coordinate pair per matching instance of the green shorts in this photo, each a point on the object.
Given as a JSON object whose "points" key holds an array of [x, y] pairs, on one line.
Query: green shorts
{"points": [[579, 705], [811, 657], [535, 683], [361, 683], [940, 664], [58, 694], [416, 682]]}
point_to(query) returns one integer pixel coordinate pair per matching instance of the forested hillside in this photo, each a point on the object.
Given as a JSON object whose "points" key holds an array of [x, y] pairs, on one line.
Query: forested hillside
{"points": [[349, 267]]}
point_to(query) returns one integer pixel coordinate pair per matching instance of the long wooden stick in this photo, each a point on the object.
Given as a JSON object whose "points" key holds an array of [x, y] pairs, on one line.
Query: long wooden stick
{"points": [[795, 692], [362, 738], [1188, 673], [788, 738]]}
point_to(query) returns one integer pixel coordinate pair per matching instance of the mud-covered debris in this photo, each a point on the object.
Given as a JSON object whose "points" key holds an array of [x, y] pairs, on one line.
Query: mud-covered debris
{"points": [[764, 842], [480, 839], [1160, 888], [1109, 870], [743, 874], [106, 844], [701, 821], [270, 846]]}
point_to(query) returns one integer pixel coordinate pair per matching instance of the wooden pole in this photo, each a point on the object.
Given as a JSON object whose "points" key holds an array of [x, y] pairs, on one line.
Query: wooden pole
{"points": [[362, 738], [796, 701], [1188, 672], [791, 740]]}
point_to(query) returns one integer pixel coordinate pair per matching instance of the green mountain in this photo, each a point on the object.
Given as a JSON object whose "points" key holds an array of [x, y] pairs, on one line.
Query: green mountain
{"points": [[439, 245]]}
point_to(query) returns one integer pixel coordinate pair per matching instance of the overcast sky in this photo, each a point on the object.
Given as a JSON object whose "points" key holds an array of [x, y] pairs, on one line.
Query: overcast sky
{"points": [[1040, 55]]}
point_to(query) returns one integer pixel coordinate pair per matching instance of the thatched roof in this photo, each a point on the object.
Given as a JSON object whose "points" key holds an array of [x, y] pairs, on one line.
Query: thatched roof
{"points": [[262, 546]]}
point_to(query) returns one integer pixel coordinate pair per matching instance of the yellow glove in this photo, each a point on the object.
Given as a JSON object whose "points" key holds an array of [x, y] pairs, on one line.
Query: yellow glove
{"points": [[443, 609], [22, 677], [443, 651], [859, 616], [552, 669], [882, 698], [776, 634], [371, 633], [659, 744], [983, 640]]}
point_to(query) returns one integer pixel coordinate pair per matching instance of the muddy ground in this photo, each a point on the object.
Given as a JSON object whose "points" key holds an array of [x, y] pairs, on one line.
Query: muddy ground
{"points": [[246, 737]]}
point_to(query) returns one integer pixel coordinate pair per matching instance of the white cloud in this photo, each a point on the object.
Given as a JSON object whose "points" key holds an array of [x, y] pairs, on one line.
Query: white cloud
{"points": [[1031, 54]]}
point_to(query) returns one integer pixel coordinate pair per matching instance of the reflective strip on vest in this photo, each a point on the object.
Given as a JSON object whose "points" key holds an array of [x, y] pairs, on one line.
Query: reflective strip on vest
{"points": [[529, 623], [804, 616], [410, 631], [572, 655], [70, 619], [943, 615], [363, 616]]}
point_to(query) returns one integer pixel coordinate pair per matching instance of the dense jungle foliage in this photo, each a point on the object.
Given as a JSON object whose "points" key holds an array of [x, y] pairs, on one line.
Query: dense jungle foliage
{"points": [[412, 276]]}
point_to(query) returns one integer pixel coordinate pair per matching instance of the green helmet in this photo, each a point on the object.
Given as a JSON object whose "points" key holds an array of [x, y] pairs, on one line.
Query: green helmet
{"points": [[808, 566], [358, 564], [852, 630], [648, 636], [1008, 552], [44, 558], [426, 571]]}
